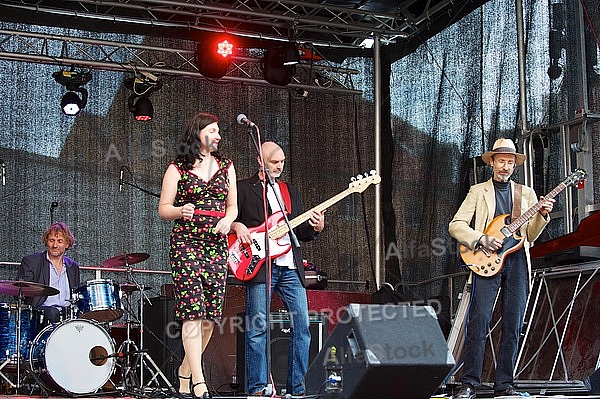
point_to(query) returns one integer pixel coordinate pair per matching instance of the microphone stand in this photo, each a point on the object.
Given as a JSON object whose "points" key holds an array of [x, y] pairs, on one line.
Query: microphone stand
{"points": [[293, 237], [268, 262], [141, 189], [263, 170], [134, 185]]}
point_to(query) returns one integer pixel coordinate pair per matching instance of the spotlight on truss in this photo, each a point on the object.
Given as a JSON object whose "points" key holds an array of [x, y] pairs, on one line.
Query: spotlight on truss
{"points": [[142, 85], [71, 103], [213, 57], [278, 63]]}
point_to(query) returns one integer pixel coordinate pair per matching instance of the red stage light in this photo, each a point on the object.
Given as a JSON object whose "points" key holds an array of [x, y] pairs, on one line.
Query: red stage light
{"points": [[224, 48], [213, 57]]}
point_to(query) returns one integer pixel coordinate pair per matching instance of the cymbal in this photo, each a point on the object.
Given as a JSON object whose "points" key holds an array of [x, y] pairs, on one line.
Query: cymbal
{"points": [[129, 288], [26, 288], [126, 259]]}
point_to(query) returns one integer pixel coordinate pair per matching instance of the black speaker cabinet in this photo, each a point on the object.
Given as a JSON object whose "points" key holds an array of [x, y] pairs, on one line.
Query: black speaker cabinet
{"points": [[381, 351], [280, 337], [162, 336], [593, 382]]}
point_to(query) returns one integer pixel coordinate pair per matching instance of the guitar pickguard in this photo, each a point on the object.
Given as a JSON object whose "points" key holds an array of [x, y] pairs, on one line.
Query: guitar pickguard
{"points": [[489, 264]]}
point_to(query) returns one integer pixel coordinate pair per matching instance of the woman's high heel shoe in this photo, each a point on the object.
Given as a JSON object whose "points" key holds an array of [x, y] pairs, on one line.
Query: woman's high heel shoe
{"points": [[185, 395], [205, 394]]}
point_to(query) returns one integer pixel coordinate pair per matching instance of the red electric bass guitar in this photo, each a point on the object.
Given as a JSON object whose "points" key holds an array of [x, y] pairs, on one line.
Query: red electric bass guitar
{"points": [[245, 260]]}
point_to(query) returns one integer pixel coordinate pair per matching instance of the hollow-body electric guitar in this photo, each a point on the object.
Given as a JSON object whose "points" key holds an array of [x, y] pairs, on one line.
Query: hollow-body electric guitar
{"points": [[245, 260], [487, 263]]}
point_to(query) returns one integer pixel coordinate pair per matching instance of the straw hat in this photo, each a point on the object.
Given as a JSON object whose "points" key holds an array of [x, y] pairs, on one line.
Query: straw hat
{"points": [[504, 146]]}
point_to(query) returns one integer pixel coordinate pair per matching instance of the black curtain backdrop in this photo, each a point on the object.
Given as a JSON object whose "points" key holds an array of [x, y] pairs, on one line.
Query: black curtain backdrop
{"points": [[75, 162], [450, 100]]}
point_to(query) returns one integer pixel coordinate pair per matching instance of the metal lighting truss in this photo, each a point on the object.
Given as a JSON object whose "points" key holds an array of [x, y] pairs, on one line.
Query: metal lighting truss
{"points": [[161, 60], [317, 22], [332, 23], [327, 25]]}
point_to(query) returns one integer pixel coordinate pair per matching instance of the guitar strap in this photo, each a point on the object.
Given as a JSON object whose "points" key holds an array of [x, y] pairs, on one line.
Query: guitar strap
{"points": [[285, 195], [518, 197]]}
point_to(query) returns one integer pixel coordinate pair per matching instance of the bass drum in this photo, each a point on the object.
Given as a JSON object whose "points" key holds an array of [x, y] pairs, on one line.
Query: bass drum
{"points": [[76, 356]]}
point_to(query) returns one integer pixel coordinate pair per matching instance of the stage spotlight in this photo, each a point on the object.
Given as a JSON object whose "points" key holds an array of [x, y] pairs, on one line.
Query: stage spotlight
{"points": [[214, 57], [291, 55], [71, 103], [141, 107], [278, 64], [139, 103]]}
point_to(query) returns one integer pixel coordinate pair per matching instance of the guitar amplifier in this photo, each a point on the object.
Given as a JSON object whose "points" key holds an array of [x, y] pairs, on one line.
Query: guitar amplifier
{"points": [[280, 336]]}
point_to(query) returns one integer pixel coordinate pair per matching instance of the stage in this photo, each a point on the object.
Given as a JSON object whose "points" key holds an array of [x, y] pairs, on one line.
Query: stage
{"points": [[485, 393], [104, 367]]}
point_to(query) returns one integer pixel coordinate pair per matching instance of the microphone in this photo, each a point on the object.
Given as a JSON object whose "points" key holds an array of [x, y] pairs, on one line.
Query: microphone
{"points": [[121, 179], [3, 171], [243, 120], [53, 206], [104, 357]]}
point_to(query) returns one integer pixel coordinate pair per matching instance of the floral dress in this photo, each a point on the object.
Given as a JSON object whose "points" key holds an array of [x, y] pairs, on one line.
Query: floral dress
{"points": [[198, 256]]}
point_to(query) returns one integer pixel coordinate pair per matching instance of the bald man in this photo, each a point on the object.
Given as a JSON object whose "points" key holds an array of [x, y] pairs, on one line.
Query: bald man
{"points": [[287, 276]]}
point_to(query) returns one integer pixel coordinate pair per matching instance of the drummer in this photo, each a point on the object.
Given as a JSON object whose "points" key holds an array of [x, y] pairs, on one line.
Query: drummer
{"points": [[54, 269]]}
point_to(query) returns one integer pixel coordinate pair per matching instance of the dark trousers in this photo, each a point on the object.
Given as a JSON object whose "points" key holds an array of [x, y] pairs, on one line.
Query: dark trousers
{"points": [[54, 314], [513, 280]]}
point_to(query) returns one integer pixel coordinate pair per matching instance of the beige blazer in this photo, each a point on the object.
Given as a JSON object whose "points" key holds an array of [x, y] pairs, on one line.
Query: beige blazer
{"points": [[480, 204]]}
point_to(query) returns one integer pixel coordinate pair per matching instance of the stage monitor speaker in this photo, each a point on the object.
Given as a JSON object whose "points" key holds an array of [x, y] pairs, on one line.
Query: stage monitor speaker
{"points": [[381, 351], [280, 337], [162, 336], [593, 382]]}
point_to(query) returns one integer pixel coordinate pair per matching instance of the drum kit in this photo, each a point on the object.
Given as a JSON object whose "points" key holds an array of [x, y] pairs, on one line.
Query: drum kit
{"points": [[76, 355]]}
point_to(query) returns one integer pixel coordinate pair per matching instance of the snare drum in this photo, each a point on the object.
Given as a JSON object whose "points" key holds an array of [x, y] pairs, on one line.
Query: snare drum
{"points": [[99, 300], [31, 320], [76, 356]]}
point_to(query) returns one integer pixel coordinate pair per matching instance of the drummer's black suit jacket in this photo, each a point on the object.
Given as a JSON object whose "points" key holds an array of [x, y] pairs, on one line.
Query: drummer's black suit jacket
{"points": [[34, 268]]}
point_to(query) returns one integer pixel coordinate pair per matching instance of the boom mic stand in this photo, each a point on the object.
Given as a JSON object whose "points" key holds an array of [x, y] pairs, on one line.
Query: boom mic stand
{"points": [[123, 182]]}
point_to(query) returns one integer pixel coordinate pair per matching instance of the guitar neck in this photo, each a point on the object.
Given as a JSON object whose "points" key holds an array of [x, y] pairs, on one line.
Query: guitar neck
{"points": [[279, 231], [520, 221]]}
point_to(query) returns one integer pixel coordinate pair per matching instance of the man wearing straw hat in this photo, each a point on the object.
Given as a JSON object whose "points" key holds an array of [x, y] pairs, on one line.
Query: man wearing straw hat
{"points": [[483, 203]]}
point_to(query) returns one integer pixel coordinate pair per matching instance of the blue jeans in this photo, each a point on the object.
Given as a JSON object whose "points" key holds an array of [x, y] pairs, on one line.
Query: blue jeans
{"points": [[515, 284], [286, 283]]}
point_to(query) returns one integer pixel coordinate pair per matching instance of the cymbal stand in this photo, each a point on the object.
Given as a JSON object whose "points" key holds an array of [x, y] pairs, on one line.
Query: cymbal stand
{"points": [[4, 363], [142, 359], [126, 348], [19, 305]]}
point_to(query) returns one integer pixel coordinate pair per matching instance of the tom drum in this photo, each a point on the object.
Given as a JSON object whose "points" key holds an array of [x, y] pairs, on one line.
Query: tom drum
{"points": [[30, 325], [99, 300]]}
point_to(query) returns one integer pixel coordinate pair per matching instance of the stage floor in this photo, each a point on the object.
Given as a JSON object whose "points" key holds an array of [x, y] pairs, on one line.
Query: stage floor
{"points": [[537, 390], [340, 396], [154, 389]]}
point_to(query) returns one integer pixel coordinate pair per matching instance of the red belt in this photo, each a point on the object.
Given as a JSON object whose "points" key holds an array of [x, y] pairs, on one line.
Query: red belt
{"points": [[215, 214]]}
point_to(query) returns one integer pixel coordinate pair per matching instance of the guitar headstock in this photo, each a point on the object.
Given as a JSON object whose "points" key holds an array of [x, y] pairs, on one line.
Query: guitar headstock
{"points": [[576, 177], [360, 183]]}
